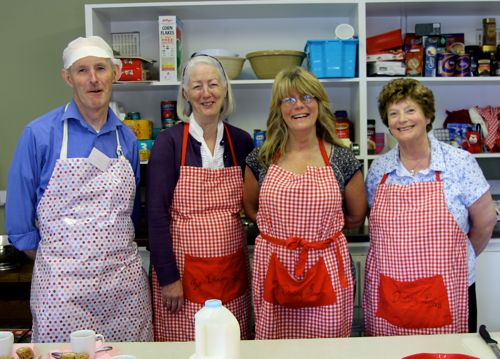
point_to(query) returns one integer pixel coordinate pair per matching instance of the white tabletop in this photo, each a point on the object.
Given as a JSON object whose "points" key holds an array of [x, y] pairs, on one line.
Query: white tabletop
{"points": [[367, 347]]}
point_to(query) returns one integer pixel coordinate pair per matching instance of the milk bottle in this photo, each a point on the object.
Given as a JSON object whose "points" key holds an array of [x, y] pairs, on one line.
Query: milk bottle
{"points": [[217, 332]]}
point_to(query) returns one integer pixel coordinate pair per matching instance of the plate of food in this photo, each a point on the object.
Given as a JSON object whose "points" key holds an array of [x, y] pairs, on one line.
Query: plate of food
{"points": [[103, 352]]}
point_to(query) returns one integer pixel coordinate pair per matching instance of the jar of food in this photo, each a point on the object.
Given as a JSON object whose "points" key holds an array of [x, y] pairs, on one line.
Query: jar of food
{"points": [[489, 31], [474, 53], [370, 131], [483, 67]]}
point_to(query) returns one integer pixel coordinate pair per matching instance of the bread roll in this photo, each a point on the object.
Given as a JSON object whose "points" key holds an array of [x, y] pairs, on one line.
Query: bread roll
{"points": [[25, 353]]}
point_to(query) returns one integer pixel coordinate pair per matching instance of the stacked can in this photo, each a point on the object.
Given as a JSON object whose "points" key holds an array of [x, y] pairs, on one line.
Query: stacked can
{"points": [[168, 113], [259, 137]]}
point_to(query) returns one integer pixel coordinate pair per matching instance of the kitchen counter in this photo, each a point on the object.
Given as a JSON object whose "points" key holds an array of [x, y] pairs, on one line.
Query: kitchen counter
{"points": [[368, 347]]}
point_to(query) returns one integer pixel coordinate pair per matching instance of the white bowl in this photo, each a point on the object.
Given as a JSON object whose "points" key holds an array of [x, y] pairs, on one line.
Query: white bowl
{"points": [[217, 52]]}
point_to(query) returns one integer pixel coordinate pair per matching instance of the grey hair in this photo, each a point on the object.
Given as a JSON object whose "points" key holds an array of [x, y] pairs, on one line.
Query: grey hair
{"points": [[184, 108]]}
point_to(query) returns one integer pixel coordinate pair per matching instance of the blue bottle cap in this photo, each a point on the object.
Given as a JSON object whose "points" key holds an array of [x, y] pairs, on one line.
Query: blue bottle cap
{"points": [[213, 303]]}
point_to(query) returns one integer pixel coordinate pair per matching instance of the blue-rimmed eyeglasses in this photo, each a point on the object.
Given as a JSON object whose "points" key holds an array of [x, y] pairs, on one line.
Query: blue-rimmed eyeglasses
{"points": [[305, 99]]}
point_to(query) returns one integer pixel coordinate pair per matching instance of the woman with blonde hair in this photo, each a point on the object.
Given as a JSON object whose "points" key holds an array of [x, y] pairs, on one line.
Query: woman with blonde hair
{"points": [[302, 187]]}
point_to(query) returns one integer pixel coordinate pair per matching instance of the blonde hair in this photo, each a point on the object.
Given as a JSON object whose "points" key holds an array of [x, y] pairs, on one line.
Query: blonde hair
{"points": [[184, 108], [305, 83]]}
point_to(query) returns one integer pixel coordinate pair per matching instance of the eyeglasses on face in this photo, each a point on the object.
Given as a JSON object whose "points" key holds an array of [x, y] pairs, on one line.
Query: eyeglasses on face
{"points": [[305, 99]]}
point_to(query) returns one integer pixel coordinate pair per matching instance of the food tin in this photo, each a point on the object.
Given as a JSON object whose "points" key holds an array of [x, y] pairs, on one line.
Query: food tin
{"points": [[446, 64], [144, 147], [133, 116], [144, 129], [168, 113], [132, 124], [462, 65], [259, 137]]}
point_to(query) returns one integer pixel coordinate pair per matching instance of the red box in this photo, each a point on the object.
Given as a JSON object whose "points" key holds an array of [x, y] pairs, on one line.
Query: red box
{"points": [[388, 40], [135, 69]]}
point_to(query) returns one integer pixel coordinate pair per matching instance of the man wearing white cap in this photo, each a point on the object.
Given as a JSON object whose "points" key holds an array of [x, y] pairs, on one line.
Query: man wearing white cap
{"points": [[71, 190]]}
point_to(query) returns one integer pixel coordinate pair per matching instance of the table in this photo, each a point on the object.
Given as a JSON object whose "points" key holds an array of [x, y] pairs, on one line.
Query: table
{"points": [[353, 348]]}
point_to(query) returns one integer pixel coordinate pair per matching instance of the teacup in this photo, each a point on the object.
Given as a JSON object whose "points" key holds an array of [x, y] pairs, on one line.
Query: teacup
{"points": [[84, 341], [6, 344]]}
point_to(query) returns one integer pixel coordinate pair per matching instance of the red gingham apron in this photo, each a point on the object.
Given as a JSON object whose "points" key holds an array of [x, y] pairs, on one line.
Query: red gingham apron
{"points": [[416, 269], [88, 274], [302, 283], [209, 246]]}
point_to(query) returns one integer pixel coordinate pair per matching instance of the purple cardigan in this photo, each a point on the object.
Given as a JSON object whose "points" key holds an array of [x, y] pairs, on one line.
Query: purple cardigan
{"points": [[162, 175]]}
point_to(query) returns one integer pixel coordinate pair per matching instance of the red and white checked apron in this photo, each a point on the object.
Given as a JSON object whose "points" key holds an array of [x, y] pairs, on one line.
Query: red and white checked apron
{"points": [[416, 269], [302, 282], [88, 273], [209, 246]]}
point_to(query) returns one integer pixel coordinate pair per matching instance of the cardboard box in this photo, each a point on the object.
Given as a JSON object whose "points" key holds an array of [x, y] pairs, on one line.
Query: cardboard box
{"points": [[170, 28], [386, 68], [135, 69], [388, 40]]}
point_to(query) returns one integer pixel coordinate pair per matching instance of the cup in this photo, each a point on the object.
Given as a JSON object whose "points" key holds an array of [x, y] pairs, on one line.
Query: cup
{"points": [[84, 341], [6, 344], [124, 356]]}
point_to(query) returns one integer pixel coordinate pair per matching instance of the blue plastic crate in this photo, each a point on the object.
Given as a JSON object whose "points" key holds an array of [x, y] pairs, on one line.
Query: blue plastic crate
{"points": [[332, 58]]}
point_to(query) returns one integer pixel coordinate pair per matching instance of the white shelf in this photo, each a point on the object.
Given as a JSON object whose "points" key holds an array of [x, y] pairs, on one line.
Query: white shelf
{"points": [[245, 26]]}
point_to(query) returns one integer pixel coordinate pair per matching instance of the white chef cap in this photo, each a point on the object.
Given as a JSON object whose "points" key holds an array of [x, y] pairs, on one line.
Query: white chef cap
{"points": [[88, 46]]}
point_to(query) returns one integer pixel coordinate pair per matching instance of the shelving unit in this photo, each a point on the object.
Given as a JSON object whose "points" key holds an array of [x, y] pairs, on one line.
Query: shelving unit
{"points": [[245, 26]]}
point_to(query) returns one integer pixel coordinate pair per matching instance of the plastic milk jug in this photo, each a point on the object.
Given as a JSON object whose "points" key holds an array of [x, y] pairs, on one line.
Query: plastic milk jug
{"points": [[217, 332]]}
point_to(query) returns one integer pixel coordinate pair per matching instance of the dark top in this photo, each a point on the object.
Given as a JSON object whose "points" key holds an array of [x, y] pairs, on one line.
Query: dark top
{"points": [[342, 160], [162, 176]]}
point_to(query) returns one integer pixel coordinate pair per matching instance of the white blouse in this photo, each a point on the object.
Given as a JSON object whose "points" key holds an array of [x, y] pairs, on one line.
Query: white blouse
{"points": [[208, 160]]}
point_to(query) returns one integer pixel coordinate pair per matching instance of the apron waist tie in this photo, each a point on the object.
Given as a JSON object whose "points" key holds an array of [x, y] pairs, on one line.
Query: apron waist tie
{"points": [[293, 243]]}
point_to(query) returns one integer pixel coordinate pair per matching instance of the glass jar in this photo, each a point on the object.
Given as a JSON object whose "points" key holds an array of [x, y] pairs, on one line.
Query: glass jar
{"points": [[474, 52], [489, 31]]}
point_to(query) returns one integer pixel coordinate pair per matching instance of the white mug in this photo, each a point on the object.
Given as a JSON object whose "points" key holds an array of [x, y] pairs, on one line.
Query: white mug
{"points": [[6, 344], [124, 356], [84, 341]]}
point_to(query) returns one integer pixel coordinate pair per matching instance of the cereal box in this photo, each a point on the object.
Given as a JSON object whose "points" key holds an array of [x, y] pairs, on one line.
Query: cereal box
{"points": [[170, 28]]}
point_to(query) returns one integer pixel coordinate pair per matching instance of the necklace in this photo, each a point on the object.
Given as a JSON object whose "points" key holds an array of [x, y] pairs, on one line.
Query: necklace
{"points": [[417, 165]]}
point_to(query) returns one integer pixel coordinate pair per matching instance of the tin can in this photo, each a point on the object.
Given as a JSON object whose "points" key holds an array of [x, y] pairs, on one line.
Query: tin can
{"points": [[342, 131], [446, 64], [259, 137], [483, 67], [370, 132], [168, 113], [132, 124], [462, 65], [144, 147], [133, 116], [144, 129]]}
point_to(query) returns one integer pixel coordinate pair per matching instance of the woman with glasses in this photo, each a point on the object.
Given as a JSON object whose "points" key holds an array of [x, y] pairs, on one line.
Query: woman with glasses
{"points": [[194, 198], [303, 188]]}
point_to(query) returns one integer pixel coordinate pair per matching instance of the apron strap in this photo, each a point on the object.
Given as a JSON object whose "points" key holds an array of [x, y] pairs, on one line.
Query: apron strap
{"points": [[184, 142], [293, 243], [235, 161], [119, 151], [323, 152], [64, 147], [185, 136]]}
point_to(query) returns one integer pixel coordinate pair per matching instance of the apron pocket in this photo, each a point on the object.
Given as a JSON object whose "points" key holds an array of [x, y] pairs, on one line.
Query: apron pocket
{"points": [[418, 304], [223, 278], [313, 291]]}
